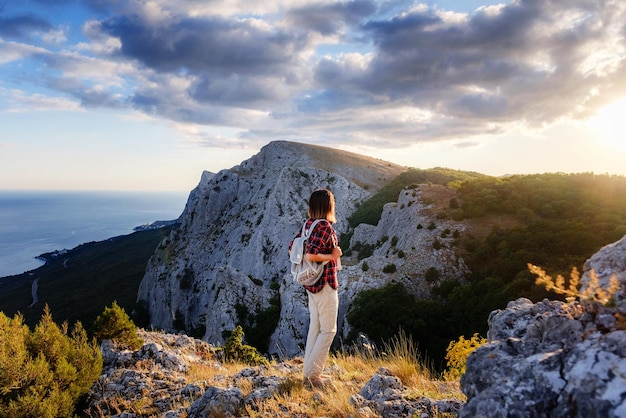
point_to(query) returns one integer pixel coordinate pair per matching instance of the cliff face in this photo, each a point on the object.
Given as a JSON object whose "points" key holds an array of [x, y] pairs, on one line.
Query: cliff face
{"points": [[228, 260]]}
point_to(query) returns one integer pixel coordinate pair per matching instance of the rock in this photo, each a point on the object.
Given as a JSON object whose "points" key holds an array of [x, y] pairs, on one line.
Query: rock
{"points": [[154, 375], [223, 402], [384, 395], [553, 359]]}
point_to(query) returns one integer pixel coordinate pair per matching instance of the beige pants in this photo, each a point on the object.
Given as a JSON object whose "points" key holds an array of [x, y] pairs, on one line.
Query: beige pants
{"points": [[323, 308]]}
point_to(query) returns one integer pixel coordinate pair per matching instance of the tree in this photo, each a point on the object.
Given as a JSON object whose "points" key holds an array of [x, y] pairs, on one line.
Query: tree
{"points": [[45, 372], [114, 324], [236, 351]]}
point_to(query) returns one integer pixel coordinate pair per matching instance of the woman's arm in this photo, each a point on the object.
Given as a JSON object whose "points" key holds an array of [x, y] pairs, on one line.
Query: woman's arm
{"points": [[320, 258]]}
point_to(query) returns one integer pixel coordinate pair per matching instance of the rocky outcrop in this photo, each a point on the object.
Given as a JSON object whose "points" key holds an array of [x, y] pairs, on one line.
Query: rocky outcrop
{"points": [[555, 359], [227, 264], [178, 376], [385, 396], [410, 238], [151, 378]]}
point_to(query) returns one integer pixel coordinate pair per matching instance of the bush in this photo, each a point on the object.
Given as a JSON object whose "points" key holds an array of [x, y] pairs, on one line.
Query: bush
{"points": [[389, 268], [236, 351], [114, 324], [457, 354], [44, 373], [432, 275]]}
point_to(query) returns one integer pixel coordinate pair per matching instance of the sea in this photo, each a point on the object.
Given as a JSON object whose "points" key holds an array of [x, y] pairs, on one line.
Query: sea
{"points": [[37, 222]]}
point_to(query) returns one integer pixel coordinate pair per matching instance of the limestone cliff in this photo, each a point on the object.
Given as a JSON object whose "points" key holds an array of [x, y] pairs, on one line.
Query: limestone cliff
{"points": [[228, 259]]}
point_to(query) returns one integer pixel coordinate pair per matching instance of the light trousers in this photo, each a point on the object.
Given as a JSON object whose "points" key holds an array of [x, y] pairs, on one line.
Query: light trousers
{"points": [[323, 309]]}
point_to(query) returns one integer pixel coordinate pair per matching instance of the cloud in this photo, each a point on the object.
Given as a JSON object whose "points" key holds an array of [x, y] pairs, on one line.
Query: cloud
{"points": [[216, 45], [17, 101], [350, 72], [330, 18], [530, 62], [21, 26]]}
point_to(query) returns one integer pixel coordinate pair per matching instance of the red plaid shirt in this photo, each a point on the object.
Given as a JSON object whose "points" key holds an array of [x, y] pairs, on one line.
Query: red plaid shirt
{"points": [[322, 241]]}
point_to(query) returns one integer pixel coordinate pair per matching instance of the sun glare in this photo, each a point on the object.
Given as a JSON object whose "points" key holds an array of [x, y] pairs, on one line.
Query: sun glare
{"points": [[610, 124]]}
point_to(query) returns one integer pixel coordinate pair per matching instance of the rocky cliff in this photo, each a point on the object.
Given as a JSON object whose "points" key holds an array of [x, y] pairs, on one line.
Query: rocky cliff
{"points": [[556, 359], [227, 263]]}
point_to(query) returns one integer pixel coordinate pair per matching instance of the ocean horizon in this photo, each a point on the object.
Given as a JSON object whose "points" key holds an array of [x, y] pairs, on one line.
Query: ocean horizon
{"points": [[33, 223]]}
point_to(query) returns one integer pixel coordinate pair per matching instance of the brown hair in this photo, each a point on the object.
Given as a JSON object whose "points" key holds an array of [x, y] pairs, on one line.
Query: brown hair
{"points": [[322, 205]]}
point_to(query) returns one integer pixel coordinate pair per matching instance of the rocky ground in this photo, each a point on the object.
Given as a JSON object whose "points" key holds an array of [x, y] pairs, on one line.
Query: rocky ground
{"points": [[178, 376]]}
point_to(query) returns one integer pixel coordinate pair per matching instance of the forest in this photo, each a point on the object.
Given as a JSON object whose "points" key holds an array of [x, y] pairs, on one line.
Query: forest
{"points": [[558, 221]]}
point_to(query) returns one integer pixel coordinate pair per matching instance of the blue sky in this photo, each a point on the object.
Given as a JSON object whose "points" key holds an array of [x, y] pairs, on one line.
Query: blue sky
{"points": [[145, 95]]}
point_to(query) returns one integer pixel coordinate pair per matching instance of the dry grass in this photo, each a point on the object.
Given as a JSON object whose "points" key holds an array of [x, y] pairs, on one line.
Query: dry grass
{"points": [[349, 369]]}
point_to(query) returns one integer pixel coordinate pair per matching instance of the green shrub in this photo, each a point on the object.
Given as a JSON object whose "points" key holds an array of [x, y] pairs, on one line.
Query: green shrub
{"points": [[114, 324], [389, 268], [236, 351], [44, 373], [365, 266], [432, 275]]}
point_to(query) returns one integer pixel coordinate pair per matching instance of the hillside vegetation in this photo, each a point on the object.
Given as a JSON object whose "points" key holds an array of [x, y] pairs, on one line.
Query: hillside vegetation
{"points": [[78, 284], [553, 220], [369, 211]]}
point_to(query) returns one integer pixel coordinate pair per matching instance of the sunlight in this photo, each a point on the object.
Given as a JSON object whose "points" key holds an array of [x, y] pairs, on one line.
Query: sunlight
{"points": [[610, 124]]}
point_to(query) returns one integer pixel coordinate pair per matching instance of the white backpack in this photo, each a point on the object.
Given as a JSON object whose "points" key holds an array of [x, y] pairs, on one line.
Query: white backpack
{"points": [[304, 272]]}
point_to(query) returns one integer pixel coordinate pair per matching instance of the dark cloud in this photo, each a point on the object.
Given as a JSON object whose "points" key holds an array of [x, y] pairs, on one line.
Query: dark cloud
{"points": [[521, 64], [232, 62], [21, 26], [197, 45], [236, 90], [330, 19]]}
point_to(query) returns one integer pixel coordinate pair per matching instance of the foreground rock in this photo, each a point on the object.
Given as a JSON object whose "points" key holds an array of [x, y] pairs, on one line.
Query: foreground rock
{"points": [[554, 359], [178, 376]]}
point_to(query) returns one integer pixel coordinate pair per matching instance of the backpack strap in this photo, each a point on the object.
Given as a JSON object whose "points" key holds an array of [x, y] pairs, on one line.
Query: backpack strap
{"points": [[307, 233]]}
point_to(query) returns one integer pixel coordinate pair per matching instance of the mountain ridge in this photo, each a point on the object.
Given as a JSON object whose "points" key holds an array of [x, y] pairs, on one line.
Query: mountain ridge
{"points": [[227, 263]]}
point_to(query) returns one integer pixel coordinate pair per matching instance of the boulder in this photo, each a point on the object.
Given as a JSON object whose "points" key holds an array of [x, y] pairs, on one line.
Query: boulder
{"points": [[554, 359]]}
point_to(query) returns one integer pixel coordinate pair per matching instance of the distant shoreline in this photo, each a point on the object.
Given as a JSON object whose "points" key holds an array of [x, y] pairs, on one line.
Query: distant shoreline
{"points": [[48, 257], [36, 222]]}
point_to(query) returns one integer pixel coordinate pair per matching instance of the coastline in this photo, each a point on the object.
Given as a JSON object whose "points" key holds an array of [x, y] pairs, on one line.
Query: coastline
{"points": [[53, 256], [36, 222]]}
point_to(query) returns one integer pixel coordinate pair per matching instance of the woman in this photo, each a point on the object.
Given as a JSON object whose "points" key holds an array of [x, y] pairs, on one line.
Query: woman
{"points": [[323, 299]]}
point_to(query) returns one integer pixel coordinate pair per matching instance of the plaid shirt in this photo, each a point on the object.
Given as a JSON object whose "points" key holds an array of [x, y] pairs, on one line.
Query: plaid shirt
{"points": [[322, 241]]}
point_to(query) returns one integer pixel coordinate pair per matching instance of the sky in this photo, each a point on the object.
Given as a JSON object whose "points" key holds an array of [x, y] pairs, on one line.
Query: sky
{"points": [[147, 94]]}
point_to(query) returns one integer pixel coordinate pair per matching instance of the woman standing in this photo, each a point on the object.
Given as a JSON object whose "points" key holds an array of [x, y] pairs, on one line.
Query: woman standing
{"points": [[323, 299]]}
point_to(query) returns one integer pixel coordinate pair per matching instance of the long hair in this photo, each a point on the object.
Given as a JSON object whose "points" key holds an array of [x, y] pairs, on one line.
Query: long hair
{"points": [[322, 205]]}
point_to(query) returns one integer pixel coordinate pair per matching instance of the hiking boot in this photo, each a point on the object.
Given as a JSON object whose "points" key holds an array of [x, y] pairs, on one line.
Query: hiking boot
{"points": [[317, 382]]}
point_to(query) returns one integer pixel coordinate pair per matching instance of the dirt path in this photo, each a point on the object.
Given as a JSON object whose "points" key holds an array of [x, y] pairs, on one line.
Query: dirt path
{"points": [[34, 292]]}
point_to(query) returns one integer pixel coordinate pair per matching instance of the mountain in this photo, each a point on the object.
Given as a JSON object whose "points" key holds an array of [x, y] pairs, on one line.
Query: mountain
{"points": [[227, 263]]}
